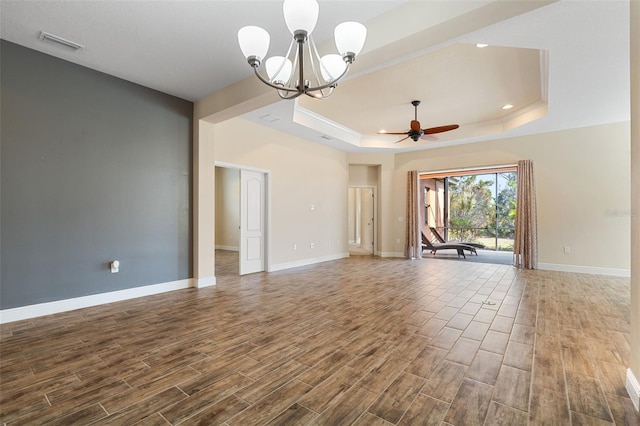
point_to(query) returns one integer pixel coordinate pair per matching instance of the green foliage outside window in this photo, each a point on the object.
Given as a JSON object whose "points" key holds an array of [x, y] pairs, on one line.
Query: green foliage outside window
{"points": [[475, 214]]}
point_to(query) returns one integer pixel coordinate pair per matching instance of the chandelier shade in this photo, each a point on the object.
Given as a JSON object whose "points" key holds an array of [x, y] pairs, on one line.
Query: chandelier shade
{"points": [[278, 69], [300, 15], [350, 37], [302, 71], [332, 66], [254, 42]]}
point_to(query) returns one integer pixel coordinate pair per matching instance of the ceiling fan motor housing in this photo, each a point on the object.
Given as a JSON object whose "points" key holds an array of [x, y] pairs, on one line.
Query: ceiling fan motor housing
{"points": [[415, 134]]}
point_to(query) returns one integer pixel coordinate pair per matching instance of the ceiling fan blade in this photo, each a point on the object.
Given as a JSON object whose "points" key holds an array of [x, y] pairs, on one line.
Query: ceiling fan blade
{"points": [[415, 125], [440, 129], [402, 139], [392, 133]]}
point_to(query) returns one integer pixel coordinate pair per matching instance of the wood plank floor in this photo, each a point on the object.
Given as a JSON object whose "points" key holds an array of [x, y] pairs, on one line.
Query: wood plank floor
{"points": [[363, 341]]}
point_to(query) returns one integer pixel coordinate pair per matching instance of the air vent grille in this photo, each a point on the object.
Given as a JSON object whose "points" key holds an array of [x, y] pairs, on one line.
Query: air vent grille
{"points": [[44, 36]]}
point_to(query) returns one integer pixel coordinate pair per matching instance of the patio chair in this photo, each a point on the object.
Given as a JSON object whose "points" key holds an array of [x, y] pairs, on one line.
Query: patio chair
{"points": [[439, 237], [434, 247]]}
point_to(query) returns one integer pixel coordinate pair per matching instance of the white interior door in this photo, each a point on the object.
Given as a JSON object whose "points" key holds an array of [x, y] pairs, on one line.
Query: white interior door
{"points": [[252, 221], [362, 220], [366, 214]]}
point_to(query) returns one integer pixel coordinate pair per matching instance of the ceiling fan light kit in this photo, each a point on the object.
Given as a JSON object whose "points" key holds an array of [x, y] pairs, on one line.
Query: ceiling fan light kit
{"points": [[416, 132], [286, 73]]}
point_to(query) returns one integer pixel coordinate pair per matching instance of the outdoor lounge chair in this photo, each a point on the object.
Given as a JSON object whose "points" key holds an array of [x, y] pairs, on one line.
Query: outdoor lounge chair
{"points": [[434, 247], [439, 237]]}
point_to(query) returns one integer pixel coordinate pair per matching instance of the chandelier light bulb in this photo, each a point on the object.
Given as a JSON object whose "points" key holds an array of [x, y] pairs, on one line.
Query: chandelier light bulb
{"points": [[331, 67], [254, 41], [300, 15], [278, 69], [350, 37]]}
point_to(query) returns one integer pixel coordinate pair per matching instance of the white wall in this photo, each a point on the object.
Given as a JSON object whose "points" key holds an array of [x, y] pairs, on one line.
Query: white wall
{"points": [[583, 185], [227, 208], [308, 189], [363, 175]]}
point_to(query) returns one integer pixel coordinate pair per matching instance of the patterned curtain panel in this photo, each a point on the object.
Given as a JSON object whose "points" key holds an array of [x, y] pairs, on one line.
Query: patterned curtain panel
{"points": [[525, 248], [413, 242]]}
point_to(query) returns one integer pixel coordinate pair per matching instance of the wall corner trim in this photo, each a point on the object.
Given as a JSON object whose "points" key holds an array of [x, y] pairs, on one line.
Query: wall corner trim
{"points": [[633, 388], [593, 270], [205, 282], [48, 308]]}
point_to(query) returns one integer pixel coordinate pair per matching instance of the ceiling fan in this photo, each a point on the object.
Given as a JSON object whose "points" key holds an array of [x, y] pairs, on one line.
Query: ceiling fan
{"points": [[417, 132]]}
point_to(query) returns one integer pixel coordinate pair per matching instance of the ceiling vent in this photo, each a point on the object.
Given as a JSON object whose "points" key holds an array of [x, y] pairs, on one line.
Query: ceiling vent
{"points": [[268, 118], [59, 40]]}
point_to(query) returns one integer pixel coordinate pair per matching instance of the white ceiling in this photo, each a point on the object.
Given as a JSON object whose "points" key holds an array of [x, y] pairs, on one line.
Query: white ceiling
{"points": [[189, 49], [185, 48], [457, 84]]}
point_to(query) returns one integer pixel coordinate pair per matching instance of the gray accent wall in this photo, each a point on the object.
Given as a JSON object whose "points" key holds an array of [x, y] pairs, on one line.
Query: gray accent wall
{"points": [[93, 169]]}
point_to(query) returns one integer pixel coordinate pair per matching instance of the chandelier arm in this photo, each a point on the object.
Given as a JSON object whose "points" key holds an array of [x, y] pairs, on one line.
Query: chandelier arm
{"points": [[330, 92], [268, 83], [287, 98], [312, 50], [322, 95], [294, 67], [285, 60], [334, 83], [303, 90]]}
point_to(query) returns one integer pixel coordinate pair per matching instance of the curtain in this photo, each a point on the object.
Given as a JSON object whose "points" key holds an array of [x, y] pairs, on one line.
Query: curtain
{"points": [[413, 240], [525, 248]]}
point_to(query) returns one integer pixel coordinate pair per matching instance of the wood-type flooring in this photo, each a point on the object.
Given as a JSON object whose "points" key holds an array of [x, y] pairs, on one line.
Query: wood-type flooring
{"points": [[364, 341]]}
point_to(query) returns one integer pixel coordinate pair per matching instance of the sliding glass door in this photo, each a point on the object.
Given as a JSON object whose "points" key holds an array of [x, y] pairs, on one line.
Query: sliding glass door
{"points": [[474, 207]]}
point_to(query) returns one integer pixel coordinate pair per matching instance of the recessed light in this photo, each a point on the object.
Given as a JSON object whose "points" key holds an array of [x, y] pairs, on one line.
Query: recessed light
{"points": [[507, 106], [481, 45]]}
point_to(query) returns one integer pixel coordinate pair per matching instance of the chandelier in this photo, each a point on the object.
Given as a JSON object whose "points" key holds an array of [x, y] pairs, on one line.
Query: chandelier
{"points": [[301, 17]]}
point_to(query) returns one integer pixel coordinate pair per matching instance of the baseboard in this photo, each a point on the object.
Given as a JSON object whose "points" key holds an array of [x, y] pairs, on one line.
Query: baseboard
{"points": [[633, 388], [391, 254], [229, 248], [593, 270], [306, 262], [41, 309], [205, 282]]}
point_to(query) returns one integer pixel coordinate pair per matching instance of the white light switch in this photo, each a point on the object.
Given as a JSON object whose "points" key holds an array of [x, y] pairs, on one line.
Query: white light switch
{"points": [[115, 266]]}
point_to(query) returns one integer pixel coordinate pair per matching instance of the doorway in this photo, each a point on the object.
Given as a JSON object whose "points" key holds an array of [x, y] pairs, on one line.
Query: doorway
{"points": [[472, 205], [241, 220], [362, 220]]}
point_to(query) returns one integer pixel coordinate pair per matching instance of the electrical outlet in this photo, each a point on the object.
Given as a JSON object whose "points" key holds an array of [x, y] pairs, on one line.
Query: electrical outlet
{"points": [[312, 245], [295, 247], [567, 250], [397, 240]]}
